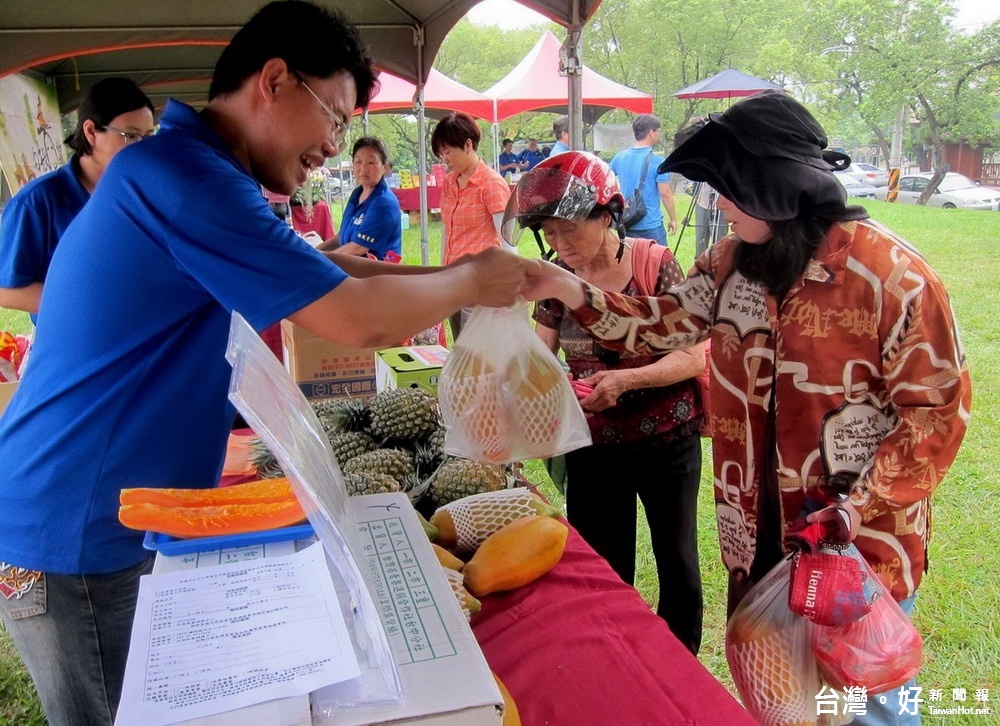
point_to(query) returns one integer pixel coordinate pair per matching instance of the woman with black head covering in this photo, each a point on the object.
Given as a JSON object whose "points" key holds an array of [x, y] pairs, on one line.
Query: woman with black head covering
{"points": [[113, 115], [840, 391]]}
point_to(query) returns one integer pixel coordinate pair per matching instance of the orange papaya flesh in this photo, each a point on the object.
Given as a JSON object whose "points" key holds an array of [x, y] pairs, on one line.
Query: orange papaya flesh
{"points": [[251, 492], [211, 521]]}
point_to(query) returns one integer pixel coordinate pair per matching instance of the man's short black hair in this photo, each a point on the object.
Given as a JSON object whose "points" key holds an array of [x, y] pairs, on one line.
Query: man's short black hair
{"points": [[643, 124], [310, 39], [506, 141]]}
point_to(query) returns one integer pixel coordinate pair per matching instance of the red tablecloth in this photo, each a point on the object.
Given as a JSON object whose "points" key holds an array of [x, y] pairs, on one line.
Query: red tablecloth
{"points": [[579, 647], [409, 199]]}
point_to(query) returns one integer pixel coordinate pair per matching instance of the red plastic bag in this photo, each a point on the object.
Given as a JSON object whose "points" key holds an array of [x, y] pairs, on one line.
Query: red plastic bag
{"points": [[769, 654], [832, 586], [881, 651]]}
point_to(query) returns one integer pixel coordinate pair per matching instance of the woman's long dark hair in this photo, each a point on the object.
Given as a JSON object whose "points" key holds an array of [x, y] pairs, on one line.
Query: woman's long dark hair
{"points": [[777, 263]]}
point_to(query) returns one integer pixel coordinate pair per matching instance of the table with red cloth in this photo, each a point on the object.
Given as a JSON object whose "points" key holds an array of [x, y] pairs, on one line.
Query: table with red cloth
{"points": [[579, 647], [409, 199]]}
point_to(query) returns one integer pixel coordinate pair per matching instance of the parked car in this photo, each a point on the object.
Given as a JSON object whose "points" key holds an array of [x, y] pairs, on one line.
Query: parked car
{"points": [[855, 188], [954, 191], [334, 185], [869, 173]]}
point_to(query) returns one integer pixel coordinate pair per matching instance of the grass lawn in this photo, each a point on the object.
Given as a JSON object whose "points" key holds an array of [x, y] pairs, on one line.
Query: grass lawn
{"points": [[960, 596]]}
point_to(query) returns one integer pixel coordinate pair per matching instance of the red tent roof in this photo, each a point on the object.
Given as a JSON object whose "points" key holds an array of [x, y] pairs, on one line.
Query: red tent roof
{"points": [[535, 85], [440, 93]]}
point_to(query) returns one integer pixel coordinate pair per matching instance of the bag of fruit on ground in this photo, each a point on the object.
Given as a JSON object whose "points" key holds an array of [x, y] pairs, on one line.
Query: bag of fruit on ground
{"points": [[504, 397]]}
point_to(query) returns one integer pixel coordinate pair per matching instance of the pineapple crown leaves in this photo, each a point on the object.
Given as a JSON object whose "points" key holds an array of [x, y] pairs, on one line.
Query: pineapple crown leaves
{"points": [[343, 414]]}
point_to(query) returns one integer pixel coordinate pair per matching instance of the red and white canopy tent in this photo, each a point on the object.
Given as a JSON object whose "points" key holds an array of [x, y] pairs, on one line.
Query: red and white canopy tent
{"points": [[537, 84], [441, 93]]}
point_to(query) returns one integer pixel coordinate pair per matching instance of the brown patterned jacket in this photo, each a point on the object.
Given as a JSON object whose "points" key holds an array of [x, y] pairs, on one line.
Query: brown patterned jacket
{"points": [[871, 383]]}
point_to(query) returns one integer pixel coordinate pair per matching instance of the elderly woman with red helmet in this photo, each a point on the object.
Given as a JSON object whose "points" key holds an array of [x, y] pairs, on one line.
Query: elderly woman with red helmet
{"points": [[644, 410]]}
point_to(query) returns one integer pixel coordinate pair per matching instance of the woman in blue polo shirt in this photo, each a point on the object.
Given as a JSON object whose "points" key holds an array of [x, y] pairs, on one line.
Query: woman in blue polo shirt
{"points": [[114, 114], [371, 224]]}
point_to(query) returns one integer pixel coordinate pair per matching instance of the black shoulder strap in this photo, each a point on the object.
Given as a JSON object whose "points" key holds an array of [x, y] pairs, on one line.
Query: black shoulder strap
{"points": [[645, 168]]}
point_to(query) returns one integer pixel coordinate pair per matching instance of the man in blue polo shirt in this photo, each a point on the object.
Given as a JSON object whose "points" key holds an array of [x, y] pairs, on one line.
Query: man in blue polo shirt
{"points": [[509, 163], [128, 380], [530, 157], [628, 166]]}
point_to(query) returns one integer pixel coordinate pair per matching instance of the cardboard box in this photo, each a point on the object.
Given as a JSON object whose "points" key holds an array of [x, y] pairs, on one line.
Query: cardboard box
{"points": [[6, 393], [323, 369], [417, 366]]}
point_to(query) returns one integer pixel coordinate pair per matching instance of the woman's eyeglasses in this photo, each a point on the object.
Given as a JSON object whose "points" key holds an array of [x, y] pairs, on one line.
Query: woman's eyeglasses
{"points": [[130, 136]]}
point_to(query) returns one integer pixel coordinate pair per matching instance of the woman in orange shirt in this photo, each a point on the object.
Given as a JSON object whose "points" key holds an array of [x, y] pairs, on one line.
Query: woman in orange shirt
{"points": [[473, 196]]}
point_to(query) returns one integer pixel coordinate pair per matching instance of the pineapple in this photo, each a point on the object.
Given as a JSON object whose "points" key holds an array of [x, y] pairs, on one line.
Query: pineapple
{"points": [[349, 444], [347, 414], [427, 459], [457, 478], [415, 487], [264, 463], [403, 413], [369, 483], [393, 462]]}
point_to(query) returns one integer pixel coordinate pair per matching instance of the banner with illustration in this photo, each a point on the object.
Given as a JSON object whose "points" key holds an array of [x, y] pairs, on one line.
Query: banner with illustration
{"points": [[30, 130]]}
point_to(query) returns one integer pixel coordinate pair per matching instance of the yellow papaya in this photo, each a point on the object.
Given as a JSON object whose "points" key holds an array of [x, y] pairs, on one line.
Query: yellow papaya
{"points": [[517, 554], [446, 558], [511, 717]]}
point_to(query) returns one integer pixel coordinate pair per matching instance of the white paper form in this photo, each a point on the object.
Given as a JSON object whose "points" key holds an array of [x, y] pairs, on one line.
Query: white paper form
{"points": [[214, 639]]}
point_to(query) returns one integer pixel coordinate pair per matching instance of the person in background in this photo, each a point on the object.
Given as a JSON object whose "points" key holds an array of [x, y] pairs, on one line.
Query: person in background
{"points": [[644, 410], [509, 163], [371, 223], [114, 114], [530, 157], [629, 164], [129, 382], [835, 356], [560, 129], [473, 196]]}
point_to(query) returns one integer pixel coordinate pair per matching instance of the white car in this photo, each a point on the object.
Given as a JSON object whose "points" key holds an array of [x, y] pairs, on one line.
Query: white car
{"points": [[869, 174], [956, 191], [855, 188]]}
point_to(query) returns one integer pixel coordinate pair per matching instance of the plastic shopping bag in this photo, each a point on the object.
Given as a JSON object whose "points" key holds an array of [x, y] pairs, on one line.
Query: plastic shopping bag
{"points": [[769, 654], [831, 585], [503, 394], [880, 652]]}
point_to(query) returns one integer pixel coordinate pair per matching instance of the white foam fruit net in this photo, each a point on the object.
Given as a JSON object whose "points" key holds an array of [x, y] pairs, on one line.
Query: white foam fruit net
{"points": [[478, 516], [770, 657]]}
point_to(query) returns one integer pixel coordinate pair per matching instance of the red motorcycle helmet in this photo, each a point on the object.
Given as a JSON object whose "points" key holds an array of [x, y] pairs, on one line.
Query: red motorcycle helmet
{"points": [[564, 186]]}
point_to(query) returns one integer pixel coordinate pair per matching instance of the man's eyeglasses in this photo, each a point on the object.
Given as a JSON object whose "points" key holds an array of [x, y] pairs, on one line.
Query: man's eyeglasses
{"points": [[339, 130], [130, 136]]}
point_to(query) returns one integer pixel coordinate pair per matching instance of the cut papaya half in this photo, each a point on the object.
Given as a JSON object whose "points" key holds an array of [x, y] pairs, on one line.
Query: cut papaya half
{"points": [[252, 492], [211, 521]]}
